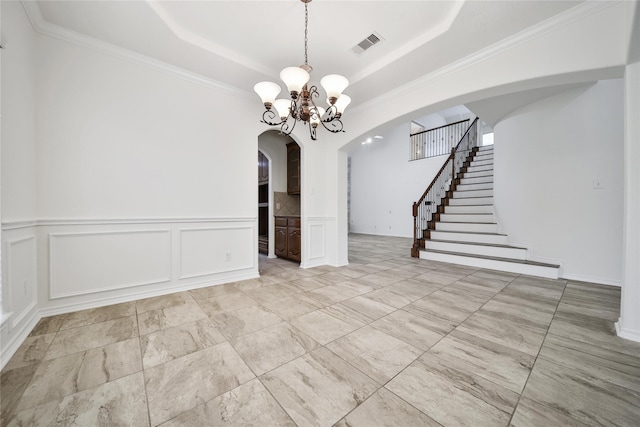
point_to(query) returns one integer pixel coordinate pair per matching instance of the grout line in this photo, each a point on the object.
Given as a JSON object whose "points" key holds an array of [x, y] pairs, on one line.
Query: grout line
{"points": [[537, 355]]}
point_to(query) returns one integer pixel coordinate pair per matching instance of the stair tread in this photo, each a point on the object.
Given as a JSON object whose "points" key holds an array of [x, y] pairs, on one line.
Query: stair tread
{"points": [[493, 258], [469, 232], [493, 245], [470, 223], [466, 213]]}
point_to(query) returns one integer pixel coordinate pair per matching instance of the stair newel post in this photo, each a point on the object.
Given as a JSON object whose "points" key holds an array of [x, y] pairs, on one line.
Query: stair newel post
{"points": [[415, 253], [452, 157]]}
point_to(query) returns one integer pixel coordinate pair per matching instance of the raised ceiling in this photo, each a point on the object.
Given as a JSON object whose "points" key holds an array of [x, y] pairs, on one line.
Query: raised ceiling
{"points": [[239, 43]]}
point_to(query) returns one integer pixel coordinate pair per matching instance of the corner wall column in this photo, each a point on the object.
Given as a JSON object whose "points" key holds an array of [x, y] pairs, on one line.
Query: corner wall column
{"points": [[628, 326]]}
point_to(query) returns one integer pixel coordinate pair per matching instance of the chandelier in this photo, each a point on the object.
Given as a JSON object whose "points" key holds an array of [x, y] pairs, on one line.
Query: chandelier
{"points": [[301, 105]]}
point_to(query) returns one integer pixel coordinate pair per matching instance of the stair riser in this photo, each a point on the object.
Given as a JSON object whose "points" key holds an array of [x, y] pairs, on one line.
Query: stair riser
{"points": [[483, 154], [479, 186], [479, 174], [517, 254], [492, 239], [488, 163], [472, 194], [485, 149], [530, 270], [467, 227], [471, 201], [482, 209], [486, 218], [488, 170], [478, 180]]}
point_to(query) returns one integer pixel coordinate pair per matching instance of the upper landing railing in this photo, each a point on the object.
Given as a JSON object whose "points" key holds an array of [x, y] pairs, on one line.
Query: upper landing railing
{"points": [[437, 141]]}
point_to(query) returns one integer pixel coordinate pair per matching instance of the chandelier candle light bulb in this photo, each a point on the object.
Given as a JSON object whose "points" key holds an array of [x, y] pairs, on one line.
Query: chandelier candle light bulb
{"points": [[301, 105]]}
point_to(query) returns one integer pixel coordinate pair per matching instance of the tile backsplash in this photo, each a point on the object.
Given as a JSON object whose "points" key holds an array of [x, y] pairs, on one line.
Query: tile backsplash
{"points": [[288, 204]]}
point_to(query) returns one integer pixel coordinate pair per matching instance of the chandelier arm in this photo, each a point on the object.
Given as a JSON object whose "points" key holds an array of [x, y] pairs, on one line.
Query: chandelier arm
{"points": [[286, 128], [331, 114], [269, 116], [333, 126]]}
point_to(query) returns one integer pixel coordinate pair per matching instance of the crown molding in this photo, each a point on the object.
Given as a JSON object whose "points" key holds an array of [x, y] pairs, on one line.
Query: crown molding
{"points": [[41, 26], [549, 25]]}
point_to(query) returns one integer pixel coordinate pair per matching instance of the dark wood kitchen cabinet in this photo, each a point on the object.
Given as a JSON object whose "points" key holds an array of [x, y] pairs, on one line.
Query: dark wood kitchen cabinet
{"points": [[287, 238], [293, 168]]}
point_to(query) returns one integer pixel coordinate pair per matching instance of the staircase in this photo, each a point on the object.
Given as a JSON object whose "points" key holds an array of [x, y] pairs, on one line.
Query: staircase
{"points": [[464, 231]]}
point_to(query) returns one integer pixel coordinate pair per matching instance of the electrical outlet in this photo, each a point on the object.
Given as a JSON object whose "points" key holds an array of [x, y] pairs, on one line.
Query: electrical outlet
{"points": [[227, 256]]}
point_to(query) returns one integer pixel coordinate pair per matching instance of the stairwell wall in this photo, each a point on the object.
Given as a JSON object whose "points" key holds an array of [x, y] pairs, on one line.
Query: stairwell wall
{"points": [[385, 184], [558, 175]]}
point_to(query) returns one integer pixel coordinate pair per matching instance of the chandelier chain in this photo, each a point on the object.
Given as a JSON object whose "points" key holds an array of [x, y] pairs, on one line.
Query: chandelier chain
{"points": [[306, 39]]}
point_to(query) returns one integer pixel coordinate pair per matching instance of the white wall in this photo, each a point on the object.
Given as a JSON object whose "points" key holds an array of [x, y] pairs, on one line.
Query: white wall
{"points": [[548, 155], [385, 184], [122, 180], [274, 146], [19, 281]]}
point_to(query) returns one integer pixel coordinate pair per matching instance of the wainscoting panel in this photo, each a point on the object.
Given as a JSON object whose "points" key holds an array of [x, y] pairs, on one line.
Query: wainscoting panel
{"points": [[317, 247], [207, 251], [84, 263], [21, 277]]}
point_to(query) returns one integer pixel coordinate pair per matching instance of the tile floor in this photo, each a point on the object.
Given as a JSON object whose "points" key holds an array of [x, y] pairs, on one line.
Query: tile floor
{"points": [[386, 341]]}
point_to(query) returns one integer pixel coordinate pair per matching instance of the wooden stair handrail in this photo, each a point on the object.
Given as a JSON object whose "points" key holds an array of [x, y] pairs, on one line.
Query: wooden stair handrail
{"points": [[416, 205]]}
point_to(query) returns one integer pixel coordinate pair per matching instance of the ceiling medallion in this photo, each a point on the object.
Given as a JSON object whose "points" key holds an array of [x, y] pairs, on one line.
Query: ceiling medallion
{"points": [[301, 105]]}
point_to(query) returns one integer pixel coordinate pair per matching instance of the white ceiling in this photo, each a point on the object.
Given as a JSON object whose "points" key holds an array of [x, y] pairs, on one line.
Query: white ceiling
{"points": [[242, 42]]}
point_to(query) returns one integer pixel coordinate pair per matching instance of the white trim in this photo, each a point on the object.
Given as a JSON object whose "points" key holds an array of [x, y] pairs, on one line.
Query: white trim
{"points": [[17, 318], [556, 22], [101, 302], [40, 25], [53, 295], [15, 321], [10, 348], [182, 276], [320, 218], [5, 316], [626, 333], [591, 279], [17, 224]]}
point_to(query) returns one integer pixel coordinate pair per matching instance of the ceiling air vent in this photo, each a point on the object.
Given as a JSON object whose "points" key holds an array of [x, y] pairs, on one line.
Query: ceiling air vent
{"points": [[365, 44]]}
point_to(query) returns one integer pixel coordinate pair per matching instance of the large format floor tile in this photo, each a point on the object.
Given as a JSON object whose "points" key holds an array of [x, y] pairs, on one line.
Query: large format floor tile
{"points": [[375, 353], [247, 405], [385, 409], [273, 346], [182, 384], [388, 340], [453, 397], [319, 388]]}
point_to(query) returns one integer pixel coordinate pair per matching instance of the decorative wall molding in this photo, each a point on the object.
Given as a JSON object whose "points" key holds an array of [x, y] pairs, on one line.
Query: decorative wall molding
{"points": [[55, 291], [317, 245], [19, 223], [214, 263], [40, 25], [19, 313]]}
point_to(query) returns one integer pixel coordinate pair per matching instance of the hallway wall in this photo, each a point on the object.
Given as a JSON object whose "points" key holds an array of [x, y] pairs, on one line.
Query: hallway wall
{"points": [[549, 157]]}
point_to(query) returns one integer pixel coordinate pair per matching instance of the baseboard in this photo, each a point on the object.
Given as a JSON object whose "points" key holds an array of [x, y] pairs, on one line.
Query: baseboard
{"points": [[134, 296], [626, 333], [590, 279], [10, 348]]}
